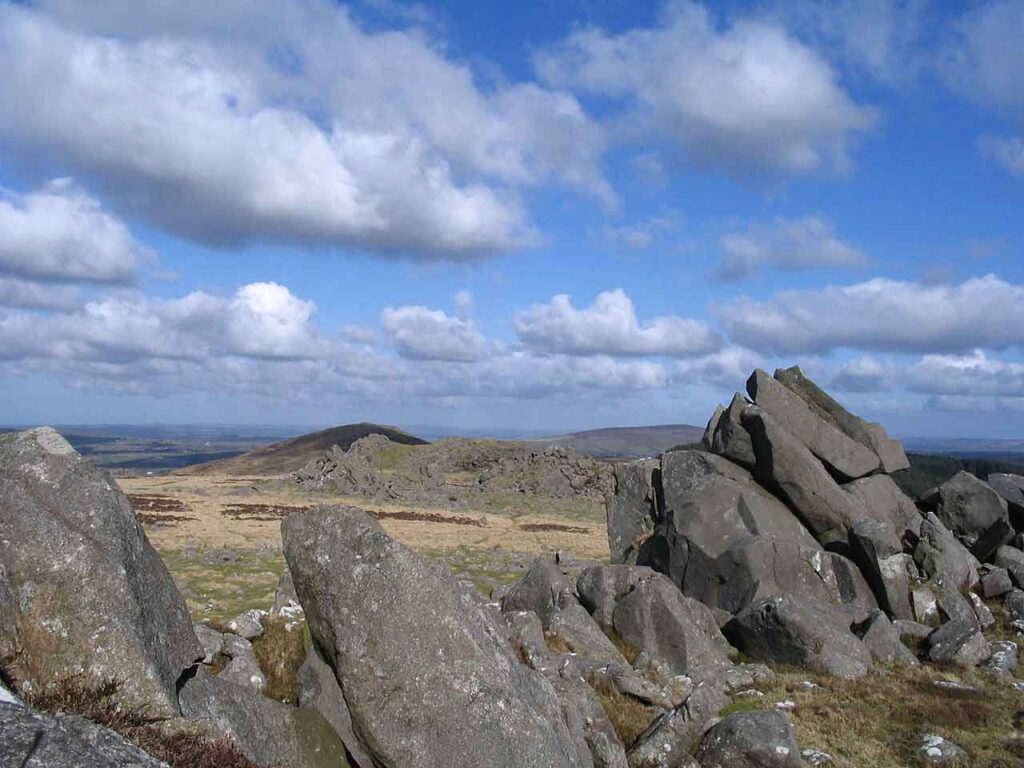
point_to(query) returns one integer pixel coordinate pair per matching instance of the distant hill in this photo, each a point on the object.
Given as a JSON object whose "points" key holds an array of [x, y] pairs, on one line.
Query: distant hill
{"points": [[625, 442], [926, 471], [292, 455]]}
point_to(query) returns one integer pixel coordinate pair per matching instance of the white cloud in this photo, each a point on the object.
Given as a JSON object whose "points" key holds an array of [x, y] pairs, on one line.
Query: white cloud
{"points": [[431, 334], [882, 315], [792, 244], [610, 327], [985, 59], [865, 374], [59, 233], [1007, 151], [636, 236], [26, 294], [728, 368], [972, 375], [746, 96], [287, 122]]}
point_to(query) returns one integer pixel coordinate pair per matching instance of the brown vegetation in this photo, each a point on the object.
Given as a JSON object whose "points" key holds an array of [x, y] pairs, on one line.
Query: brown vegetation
{"points": [[628, 716], [280, 652], [550, 527], [261, 512], [425, 517], [179, 749]]}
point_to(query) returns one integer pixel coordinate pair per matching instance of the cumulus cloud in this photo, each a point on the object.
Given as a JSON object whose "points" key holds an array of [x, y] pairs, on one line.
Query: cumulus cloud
{"points": [[865, 374], [288, 122], [745, 96], [986, 55], [60, 233], [792, 245], [610, 327], [431, 334], [975, 374], [26, 294], [882, 315], [727, 368]]}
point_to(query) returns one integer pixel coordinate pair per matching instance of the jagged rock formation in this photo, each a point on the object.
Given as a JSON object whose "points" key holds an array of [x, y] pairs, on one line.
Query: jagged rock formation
{"points": [[452, 469]]}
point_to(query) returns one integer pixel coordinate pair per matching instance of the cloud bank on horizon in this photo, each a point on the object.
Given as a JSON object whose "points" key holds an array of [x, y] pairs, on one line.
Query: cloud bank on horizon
{"points": [[310, 212]]}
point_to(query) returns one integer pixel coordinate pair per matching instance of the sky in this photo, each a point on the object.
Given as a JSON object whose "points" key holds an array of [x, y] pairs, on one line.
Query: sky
{"points": [[545, 215]]}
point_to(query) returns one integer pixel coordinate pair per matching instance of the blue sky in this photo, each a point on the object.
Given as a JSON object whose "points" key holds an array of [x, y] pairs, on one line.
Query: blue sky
{"points": [[539, 215]]}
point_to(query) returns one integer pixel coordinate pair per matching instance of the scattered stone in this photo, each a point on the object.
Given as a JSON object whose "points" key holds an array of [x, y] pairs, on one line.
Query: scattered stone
{"points": [[883, 640], [816, 757], [981, 611], [958, 641], [82, 590], [1012, 559], [1003, 658], [750, 740], [996, 583], [793, 630], [937, 751], [952, 685], [750, 693], [29, 739], [804, 686], [785, 706], [248, 625]]}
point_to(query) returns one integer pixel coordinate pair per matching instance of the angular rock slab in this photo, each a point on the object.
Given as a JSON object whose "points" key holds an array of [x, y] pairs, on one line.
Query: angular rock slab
{"points": [[884, 501], [795, 630], [84, 592], [750, 740], [63, 741], [267, 731], [891, 455], [730, 439], [319, 690], [959, 641], [600, 588], [1011, 488], [632, 508], [427, 679], [974, 513], [716, 504], [789, 469], [844, 455], [674, 631], [884, 565], [942, 557]]}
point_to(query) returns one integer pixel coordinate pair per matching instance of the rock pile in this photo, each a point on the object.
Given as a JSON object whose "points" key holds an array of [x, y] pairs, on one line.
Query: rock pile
{"points": [[789, 525], [451, 470]]}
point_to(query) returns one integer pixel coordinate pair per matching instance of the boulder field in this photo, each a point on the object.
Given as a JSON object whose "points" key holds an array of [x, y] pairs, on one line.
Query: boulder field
{"points": [[782, 540]]}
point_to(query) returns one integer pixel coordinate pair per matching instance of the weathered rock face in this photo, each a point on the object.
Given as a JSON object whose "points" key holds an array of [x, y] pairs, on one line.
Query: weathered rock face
{"points": [[883, 563], [796, 630], [600, 588], [789, 469], [674, 631], [1011, 559], [959, 641], [715, 504], [319, 690], [974, 513], [884, 501], [1011, 488], [426, 678], [750, 740], [891, 455], [942, 557], [730, 439], [268, 732], [84, 592], [63, 741], [846, 457], [632, 508], [883, 641]]}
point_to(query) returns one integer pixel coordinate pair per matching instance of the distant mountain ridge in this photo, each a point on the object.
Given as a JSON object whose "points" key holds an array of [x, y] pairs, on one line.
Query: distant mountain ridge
{"points": [[292, 455], [625, 442]]}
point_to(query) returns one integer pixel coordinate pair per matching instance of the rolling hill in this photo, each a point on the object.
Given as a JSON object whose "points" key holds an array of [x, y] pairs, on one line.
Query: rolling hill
{"points": [[292, 455], [625, 442]]}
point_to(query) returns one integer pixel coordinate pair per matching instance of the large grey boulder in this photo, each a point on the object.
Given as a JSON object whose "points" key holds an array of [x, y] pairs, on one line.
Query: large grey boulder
{"points": [[84, 592], [884, 641], [547, 592], [750, 740], [891, 455], [600, 587], [789, 469], [674, 631], [846, 457], [319, 690], [1012, 559], [1011, 488], [29, 739], [427, 678], [878, 553], [959, 641], [730, 438], [759, 567], [794, 630], [884, 501], [941, 556], [267, 731], [973, 512], [714, 503], [708, 439], [632, 508]]}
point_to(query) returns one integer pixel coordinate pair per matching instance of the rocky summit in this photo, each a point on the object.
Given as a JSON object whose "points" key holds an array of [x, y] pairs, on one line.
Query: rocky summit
{"points": [[778, 556]]}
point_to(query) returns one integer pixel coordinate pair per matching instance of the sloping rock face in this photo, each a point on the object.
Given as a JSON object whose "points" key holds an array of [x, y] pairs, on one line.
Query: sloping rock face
{"points": [[426, 677], [30, 738], [374, 466], [632, 508], [83, 592]]}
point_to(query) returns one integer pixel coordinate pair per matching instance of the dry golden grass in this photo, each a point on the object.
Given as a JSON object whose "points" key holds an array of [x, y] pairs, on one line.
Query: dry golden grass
{"points": [[879, 719], [628, 716]]}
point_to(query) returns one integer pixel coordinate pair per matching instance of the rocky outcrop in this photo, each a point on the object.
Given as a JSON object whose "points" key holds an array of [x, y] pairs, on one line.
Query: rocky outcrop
{"points": [[973, 512], [319, 690], [730, 438], [426, 677], [83, 592], [632, 508]]}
